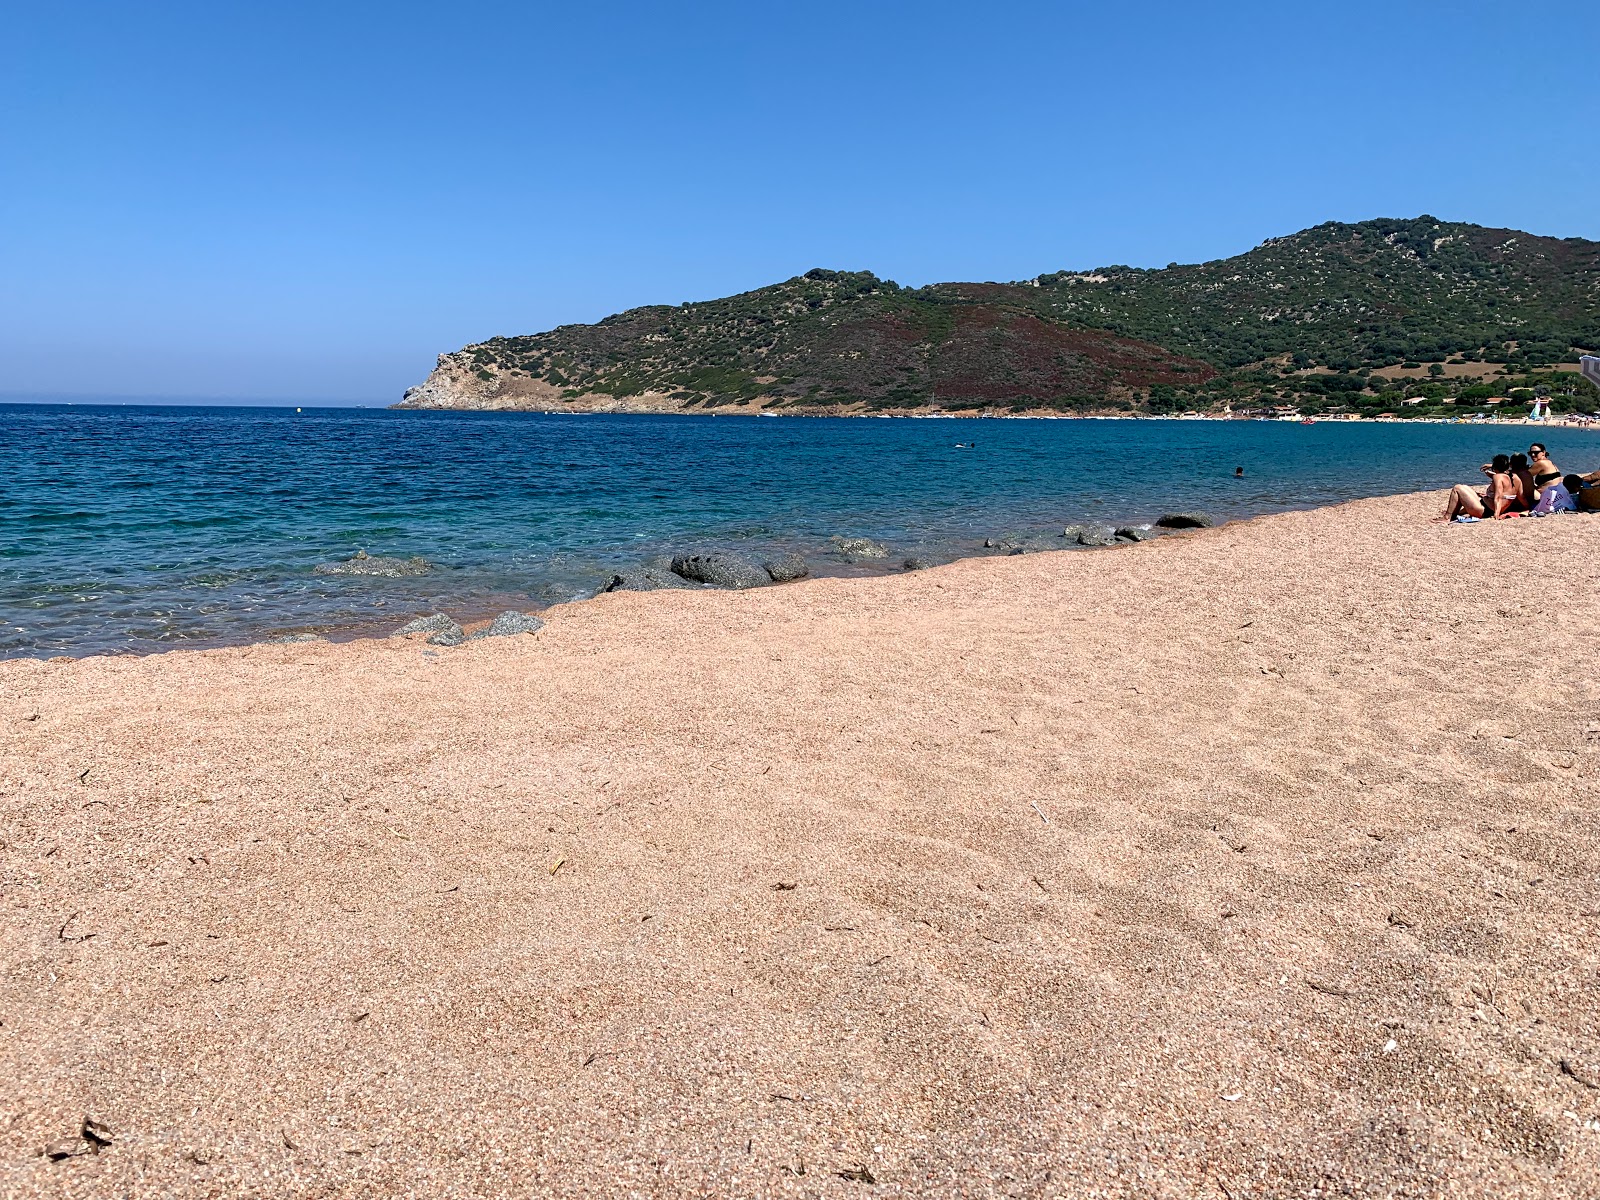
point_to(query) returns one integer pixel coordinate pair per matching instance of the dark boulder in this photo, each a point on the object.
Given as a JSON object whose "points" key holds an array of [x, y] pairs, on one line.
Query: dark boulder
{"points": [[645, 579], [1136, 533], [1185, 520], [915, 564], [508, 623], [786, 567], [1096, 535], [366, 564], [721, 568], [1021, 543]]}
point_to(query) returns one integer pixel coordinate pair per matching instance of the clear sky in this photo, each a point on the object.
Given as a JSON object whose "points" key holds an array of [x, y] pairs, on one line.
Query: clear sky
{"points": [[310, 201]]}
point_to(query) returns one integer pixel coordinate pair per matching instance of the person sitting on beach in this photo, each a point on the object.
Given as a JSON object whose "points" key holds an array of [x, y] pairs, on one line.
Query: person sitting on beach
{"points": [[1587, 491], [1496, 500], [1523, 478], [1544, 471]]}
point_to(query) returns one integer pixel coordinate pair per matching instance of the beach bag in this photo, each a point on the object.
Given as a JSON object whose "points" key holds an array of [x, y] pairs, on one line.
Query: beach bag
{"points": [[1553, 499]]}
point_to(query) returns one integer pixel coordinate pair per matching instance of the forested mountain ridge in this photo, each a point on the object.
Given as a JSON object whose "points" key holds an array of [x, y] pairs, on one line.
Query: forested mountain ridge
{"points": [[1308, 316], [1374, 294]]}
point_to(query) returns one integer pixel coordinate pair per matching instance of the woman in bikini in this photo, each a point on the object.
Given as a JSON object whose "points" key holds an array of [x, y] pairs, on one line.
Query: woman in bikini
{"points": [[1544, 471], [1496, 500]]}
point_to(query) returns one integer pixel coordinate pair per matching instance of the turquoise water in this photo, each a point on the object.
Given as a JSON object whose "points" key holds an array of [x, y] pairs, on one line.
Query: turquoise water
{"points": [[143, 528]]}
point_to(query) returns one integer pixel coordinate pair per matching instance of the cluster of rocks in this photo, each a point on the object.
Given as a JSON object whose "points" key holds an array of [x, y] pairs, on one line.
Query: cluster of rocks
{"points": [[1096, 535], [860, 549], [720, 567], [443, 630], [711, 567], [367, 564]]}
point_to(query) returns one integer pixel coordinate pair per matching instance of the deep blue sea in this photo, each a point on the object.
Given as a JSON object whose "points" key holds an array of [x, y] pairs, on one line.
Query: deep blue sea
{"points": [[143, 528]]}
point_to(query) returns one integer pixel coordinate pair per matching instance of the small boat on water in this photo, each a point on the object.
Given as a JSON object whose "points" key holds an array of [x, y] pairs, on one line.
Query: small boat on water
{"points": [[1307, 421]]}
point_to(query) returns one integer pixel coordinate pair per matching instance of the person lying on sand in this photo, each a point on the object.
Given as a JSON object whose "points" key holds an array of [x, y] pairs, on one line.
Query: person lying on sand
{"points": [[1496, 500]]}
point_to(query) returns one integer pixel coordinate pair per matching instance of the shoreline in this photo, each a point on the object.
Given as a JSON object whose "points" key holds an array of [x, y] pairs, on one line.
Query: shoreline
{"points": [[620, 409], [1107, 873], [476, 615]]}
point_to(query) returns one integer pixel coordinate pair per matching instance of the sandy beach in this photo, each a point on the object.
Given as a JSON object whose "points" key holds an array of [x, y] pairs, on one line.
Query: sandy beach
{"points": [[1250, 862]]}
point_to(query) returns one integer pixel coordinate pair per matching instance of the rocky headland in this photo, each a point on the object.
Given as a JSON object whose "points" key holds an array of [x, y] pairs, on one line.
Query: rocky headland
{"points": [[1411, 317]]}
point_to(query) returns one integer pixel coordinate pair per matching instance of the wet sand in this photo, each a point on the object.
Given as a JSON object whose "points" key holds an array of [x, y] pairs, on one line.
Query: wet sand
{"points": [[1203, 867]]}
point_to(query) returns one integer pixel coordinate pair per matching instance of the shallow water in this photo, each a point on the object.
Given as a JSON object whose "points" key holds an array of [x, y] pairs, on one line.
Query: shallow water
{"points": [[141, 528]]}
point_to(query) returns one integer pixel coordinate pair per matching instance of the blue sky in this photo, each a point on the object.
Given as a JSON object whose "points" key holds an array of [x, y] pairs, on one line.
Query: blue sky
{"points": [[311, 201]]}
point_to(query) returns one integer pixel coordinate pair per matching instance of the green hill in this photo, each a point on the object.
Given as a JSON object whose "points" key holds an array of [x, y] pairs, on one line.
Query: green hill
{"points": [[1348, 296], [1304, 319]]}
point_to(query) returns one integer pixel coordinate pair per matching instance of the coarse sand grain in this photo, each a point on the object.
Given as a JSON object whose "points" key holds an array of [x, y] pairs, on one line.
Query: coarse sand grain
{"points": [[1257, 861]]}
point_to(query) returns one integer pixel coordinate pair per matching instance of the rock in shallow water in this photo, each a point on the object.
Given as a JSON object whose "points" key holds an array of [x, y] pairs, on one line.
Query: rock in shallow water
{"points": [[1137, 533], [1025, 543], [721, 568], [366, 564], [645, 579], [1096, 535], [508, 623], [854, 548], [915, 564], [1185, 520], [786, 567]]}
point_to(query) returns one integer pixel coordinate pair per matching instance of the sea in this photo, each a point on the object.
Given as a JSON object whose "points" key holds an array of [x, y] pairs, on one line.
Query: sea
{"points": [[139, 528]]}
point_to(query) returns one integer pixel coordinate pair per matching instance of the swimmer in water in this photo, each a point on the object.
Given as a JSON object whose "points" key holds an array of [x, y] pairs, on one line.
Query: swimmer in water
{"points": [[1238, 472]]}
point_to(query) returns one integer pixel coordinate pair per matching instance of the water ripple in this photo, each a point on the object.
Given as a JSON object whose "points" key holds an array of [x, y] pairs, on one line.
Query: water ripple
{"points": [[137, 528]]}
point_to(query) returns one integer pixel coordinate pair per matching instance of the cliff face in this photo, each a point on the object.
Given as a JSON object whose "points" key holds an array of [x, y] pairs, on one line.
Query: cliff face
{"points": [[458, 382]]}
